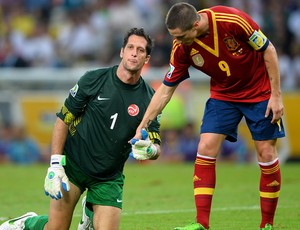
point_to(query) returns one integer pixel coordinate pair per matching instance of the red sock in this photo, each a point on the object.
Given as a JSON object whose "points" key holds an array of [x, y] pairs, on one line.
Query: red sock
{"points": [[204, 185], [270, 181]]}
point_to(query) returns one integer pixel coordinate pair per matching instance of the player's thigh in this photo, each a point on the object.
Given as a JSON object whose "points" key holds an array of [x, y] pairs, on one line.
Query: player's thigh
{"points": [[61, 211], [106, 217], [106, 193], [221, 117], [106, 196]]}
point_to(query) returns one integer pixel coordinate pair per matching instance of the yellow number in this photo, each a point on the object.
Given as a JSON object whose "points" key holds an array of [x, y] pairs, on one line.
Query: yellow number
{"points": [[224, 67]]}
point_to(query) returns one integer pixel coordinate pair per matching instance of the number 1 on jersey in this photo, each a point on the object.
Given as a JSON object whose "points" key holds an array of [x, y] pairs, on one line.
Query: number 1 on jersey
{"points": [[114, 119]]}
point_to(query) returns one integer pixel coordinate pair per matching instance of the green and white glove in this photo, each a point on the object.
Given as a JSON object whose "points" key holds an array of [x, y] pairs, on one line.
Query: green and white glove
{"points": [[56, 177], [143, 149]]}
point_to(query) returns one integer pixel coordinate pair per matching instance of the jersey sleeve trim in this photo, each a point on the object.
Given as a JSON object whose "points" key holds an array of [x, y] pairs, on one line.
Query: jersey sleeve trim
{"points": [[65, 115], [174, 83], [175, 47], [154, 137]]}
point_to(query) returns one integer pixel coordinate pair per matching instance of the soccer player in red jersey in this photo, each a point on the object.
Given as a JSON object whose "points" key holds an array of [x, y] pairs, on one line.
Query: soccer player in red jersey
{"points": [[226, 44]]}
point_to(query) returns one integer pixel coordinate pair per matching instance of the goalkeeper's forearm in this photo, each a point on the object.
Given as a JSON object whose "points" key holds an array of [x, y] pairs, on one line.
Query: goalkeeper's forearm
{"points": [[59, 136]]}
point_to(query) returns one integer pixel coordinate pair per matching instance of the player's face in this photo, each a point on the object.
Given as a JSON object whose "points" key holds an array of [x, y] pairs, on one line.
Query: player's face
{"points": [[185, 37], [134, 54]]}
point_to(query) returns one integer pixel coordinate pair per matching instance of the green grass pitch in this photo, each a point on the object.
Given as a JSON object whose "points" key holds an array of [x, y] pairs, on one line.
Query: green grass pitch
{"points": [[159, 196]]}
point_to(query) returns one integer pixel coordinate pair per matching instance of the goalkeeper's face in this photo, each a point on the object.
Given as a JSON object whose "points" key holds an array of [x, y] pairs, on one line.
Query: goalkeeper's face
{"points": [[134, 54]]}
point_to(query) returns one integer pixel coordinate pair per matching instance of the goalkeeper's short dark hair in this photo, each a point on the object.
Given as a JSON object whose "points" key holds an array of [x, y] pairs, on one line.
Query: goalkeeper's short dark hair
{"points": [[139, 32]]}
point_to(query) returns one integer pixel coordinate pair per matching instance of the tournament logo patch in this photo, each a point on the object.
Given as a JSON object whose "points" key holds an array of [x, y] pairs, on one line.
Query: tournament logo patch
{"points": [[74, 90], [231, 43], [170, 71], [198, 60], [257, 40], [133, 110]]}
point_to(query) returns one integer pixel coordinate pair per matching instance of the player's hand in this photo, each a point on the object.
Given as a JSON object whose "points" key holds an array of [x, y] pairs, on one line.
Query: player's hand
{"points": [[276, 106], [143, 149], [56, 178]]}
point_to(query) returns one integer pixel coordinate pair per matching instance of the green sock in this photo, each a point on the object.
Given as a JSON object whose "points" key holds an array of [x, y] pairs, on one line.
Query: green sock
{"points": [[36, 223]]}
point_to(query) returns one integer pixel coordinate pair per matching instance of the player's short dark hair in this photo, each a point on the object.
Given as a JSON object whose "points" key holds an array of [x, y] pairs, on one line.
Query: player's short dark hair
{"points": [[181, 15], [139, 32]]}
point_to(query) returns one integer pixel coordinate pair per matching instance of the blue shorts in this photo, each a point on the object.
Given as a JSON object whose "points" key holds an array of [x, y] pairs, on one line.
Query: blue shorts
{"points": [[223, 117]]}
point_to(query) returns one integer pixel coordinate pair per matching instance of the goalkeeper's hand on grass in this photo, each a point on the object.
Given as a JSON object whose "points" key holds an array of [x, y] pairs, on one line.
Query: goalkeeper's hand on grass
{"points": [[56, 178], [143, 149]]}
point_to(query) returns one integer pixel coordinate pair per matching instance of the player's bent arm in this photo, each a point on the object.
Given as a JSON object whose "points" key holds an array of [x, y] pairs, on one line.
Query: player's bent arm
{"points": [[158, 102], [275, 102], [56, 177], [271, 61], [59, 136]]}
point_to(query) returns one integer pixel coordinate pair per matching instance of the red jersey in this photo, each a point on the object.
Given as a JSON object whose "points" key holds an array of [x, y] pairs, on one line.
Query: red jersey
{"points": [[230, 54]]}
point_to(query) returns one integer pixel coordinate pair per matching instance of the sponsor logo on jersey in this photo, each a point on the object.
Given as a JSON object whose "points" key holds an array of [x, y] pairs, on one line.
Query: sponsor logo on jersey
{"points": [[133, 110], [170, 71], [231, 43], [74, 90], [193, 52], [102, 98], [198, 60]]}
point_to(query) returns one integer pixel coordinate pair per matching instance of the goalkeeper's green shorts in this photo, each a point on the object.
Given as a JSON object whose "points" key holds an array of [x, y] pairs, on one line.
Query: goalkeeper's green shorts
{"points": [[106, 193]]}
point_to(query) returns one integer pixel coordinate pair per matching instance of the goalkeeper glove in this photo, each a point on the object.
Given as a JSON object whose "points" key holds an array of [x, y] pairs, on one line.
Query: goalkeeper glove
{"points": [[56, 177], [143, 149]]}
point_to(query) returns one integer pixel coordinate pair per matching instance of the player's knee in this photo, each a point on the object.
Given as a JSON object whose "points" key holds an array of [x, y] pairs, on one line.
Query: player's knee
{"points": [[205, 149], [266, 152]]}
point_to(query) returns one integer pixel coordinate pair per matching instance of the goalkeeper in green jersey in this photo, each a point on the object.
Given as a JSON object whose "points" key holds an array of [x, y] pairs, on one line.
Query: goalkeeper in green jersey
{"points": [[90, 142]]}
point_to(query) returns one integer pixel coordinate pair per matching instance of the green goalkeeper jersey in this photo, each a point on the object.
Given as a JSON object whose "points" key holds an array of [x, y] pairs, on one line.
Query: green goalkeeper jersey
{"points": [[103, 113]]}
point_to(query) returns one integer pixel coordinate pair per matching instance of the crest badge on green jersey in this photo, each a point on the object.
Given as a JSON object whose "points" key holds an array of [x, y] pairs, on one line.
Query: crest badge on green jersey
{"points": [[133, 110]]}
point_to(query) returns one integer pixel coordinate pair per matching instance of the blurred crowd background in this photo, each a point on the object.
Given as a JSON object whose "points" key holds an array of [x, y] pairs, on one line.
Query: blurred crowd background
{"points": [[72, 33], [67, 33]]}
